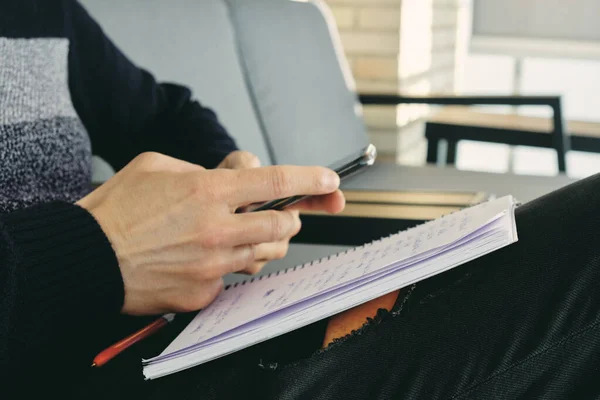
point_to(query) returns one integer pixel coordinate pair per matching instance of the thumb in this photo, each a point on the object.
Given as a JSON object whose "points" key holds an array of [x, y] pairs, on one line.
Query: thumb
{"points": [[240, 160]]}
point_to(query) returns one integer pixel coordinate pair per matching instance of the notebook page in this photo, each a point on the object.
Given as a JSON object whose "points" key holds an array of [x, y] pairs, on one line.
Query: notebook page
{"points": [[317, 309], [348, 296], [393, 268], [497, 234], [245, 303]]}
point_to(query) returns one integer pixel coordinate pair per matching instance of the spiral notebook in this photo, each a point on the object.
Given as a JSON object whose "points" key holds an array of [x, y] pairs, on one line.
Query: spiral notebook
{"points": [[261, 308]]}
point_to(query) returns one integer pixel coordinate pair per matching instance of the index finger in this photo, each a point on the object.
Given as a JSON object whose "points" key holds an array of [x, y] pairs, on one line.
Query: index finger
{"points": [[275, 182]]}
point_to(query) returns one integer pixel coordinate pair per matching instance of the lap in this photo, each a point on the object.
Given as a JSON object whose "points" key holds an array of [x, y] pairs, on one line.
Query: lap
{"points": [[522, 321]]}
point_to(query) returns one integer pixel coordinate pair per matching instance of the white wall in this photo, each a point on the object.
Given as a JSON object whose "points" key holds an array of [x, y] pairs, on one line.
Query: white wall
{"points": [[400, 46], [543, 19]]}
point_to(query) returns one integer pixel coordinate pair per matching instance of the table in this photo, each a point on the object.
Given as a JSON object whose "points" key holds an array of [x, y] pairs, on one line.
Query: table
{"points": [[455, 123], [389, 176]]}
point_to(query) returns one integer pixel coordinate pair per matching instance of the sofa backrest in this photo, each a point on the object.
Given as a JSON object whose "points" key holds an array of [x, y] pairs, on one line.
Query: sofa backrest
{"points": [[299, 79], [189, 42], [273, 70]]}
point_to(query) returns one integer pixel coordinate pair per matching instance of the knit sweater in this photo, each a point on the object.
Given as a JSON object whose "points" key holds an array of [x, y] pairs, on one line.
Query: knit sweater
{"points": [[66, 91]]}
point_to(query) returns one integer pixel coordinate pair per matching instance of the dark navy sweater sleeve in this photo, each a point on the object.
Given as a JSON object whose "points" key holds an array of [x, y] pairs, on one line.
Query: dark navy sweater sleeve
{"points": [[60, 283], [126, 112]]}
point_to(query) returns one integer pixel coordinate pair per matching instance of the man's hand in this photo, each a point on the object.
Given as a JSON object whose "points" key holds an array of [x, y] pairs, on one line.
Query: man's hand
{"points": [[265, 252], [174, 228], [331, 202]]}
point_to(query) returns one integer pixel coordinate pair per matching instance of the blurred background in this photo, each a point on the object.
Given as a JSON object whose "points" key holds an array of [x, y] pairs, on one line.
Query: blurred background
{"points": [[487, 47]]}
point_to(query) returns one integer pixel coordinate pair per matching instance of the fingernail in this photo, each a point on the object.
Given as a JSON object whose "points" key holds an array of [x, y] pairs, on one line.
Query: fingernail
{"points": [[331, 180]]}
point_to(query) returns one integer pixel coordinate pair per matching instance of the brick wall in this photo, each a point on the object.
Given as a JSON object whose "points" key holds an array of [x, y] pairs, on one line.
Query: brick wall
{"points": [[400, 46]]}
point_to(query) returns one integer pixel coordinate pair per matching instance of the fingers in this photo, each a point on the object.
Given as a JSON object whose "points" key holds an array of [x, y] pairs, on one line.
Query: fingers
{"points": [[262, 184], [271, 251], [255, 268], [332, 203], [220, 263], [264, 227], [265, 252], [199, 285], [249, 259], [151, 161], [240, 159]]}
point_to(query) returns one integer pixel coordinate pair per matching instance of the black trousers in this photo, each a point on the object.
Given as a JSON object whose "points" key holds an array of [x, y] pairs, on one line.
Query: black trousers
{"points": [[521, 323]]}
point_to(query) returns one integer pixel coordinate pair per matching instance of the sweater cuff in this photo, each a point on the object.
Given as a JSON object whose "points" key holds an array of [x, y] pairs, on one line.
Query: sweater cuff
{"points": [[69, 266]]}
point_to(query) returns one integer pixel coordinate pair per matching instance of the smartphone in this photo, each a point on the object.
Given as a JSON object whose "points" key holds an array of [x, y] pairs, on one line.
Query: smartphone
{"points": [[345, 168]]}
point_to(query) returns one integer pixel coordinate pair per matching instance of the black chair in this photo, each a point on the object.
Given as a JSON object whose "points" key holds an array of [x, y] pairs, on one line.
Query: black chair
{"points": [[452, 134]]}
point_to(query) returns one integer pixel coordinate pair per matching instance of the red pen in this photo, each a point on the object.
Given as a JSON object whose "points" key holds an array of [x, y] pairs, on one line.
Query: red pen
{"points": [[114, 350]]}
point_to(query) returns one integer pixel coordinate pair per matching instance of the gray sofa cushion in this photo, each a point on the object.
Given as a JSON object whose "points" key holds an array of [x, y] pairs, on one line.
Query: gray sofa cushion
{"points": [[307, 105], [189, 42]]}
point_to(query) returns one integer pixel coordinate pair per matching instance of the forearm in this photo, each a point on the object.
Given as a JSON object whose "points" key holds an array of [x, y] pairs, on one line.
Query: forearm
{"points": [[59, 276], [186, 130], [127, 112]]}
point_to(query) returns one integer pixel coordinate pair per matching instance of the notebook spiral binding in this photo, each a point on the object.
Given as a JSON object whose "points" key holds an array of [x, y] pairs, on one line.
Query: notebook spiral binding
{"points": [[335, 255]]}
